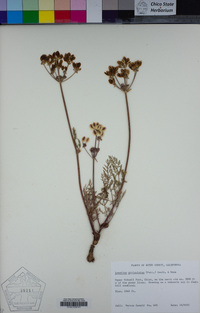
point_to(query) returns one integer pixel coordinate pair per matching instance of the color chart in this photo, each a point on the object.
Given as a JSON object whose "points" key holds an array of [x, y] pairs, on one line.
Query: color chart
{"points": [[65, 11]]}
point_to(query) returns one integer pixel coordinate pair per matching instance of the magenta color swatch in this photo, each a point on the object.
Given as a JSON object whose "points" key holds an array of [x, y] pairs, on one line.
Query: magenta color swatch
{"points": [[78, 4], [78, 16]]}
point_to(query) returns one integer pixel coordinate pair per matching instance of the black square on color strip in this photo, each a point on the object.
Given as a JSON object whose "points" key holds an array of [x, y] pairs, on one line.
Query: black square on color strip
{"points": [[3, 17], [125, 16], [110, 16], [188, 7]]}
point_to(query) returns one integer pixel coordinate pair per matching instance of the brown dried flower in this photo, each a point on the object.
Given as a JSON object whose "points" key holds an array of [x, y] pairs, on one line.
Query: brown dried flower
{"points": [[76, 66], [57, 65], [69, 58], [124, 62], [134, 66], [111, 81], [112, 71], [123, 71]]}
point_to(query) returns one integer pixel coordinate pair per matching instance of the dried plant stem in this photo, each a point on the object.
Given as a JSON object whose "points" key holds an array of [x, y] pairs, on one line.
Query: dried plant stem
{"points": [[96, 234], [77, 157], [93, 178], [90, 257], [67, 115], [108, 219], [129, 136]]}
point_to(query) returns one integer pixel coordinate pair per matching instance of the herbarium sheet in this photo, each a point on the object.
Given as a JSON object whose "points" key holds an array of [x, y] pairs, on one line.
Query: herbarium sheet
{"points": [[100, 157]]}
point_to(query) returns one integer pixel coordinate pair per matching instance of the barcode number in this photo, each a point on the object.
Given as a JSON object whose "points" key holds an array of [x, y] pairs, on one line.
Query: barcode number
{"points": [[73, 303]]}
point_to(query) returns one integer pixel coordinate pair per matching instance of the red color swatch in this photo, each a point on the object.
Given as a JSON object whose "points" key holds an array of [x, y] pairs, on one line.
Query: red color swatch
{"points": [[62, 17]]}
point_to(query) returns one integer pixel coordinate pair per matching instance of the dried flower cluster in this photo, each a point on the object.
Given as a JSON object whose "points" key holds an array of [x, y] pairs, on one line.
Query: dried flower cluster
{"points": [[85, 140], [58, 64], [122, 70], [98, 130]]}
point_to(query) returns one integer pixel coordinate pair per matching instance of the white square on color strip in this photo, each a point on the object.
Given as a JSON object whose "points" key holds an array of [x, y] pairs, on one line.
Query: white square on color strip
{"points": [[94, 11]]}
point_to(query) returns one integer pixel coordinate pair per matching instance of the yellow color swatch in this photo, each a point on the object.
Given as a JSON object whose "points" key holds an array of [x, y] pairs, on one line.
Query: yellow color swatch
{"points": [[46, 17]]}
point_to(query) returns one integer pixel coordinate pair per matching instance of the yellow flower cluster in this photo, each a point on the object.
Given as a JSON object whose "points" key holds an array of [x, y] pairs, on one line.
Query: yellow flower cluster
{"points": [[97, 129], [85, 140]]}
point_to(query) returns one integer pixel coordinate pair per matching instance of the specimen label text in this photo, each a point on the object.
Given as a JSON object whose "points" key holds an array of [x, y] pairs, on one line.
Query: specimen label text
{"points": [[148, 7], [150, 287]]}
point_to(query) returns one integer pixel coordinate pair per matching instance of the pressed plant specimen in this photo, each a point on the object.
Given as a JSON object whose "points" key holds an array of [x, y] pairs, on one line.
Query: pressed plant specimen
{"points": [[100, 206]]}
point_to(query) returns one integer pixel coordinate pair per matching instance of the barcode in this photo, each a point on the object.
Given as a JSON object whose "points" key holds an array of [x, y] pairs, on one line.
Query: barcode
{"points": [[73, 304], [78, 303]]}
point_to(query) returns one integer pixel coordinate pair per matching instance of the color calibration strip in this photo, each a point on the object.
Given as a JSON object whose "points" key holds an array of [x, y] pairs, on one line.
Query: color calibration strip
{"points": [[65, 11]]}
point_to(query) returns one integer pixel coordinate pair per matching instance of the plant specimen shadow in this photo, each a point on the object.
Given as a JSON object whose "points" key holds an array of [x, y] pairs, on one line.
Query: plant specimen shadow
{"points": [[100, 206]]}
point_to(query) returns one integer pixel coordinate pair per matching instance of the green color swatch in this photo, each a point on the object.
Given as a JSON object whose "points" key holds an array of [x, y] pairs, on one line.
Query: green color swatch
{"points": [[30, 17]]}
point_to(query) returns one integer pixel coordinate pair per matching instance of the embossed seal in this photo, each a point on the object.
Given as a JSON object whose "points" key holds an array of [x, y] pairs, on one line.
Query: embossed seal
{"points": [[23, 291], [142, 7]]}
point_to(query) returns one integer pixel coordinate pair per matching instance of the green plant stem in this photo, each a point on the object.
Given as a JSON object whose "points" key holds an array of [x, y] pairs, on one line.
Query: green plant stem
{"points": [[77, 158]]}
